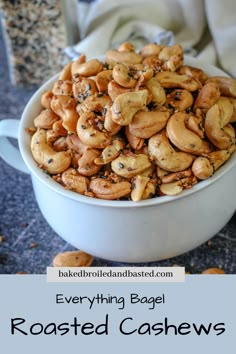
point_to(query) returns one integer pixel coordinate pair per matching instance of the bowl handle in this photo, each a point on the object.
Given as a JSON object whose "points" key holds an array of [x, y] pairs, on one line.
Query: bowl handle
{"points": [[8, 152]]}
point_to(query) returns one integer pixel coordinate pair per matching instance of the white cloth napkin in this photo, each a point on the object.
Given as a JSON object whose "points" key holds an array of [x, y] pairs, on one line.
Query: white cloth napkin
{"points": [[206, 29]]}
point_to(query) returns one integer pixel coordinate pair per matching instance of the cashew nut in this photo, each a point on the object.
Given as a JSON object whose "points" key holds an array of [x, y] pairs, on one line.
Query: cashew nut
{"points": [[56, 132], [96, 103], [149, 191], [83, 87], [175, 176], [169, 79], [46, 99], [90, 132], [110, 152], [217, 117], [102, 80], [62, 87], [65, 74], [152, 61], [171, 57], [161, 151], [127, 104], [75, 144], [219, 157], [126, 47], [157, 91], [179, 100], [135, 143], [65, 107], [191, 71], [46, 119], [114, 57], [195, 124], [227, 85], [151, 49], [122, 75], [139, 184], [86, 164], [145, 124], [183, 138], [207, 96], [202, 168], [130, 165], [109, 125], [89, 68], [74, 181], [107, 190], [172, 188], [72, 259], [60, 144], [52, 161], [114, 90]]}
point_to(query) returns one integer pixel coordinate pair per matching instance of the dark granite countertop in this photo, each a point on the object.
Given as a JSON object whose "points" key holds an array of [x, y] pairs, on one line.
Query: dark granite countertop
{"points": [[28, 243]]}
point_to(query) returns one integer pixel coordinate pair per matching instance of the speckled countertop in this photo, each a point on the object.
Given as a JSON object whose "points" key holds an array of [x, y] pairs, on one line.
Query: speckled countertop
{"points": [[28, 244]]}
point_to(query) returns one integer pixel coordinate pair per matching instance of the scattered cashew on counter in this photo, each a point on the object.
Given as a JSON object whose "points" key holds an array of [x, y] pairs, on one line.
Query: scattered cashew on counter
{"points": [[137, 126]]}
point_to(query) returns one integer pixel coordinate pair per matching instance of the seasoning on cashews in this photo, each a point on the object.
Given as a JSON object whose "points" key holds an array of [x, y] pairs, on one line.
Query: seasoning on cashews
{"points": [[217, 117], [50, 160], [123, 77], [72, 259], [183, 138], [127, 104], [72, 180], [112, 127], [83, 87], [130, 165], [157, 91], [179, 100], [89, 133], [114, 57], [103, 189], [145, 124], [135, 142], [165, 156], [102, 80], [62, 87], [171, 57], [169, 79], [191, 71]]}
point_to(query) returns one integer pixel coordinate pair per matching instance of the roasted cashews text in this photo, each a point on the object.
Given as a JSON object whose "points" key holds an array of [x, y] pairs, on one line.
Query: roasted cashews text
{"points": [[139, 125]]}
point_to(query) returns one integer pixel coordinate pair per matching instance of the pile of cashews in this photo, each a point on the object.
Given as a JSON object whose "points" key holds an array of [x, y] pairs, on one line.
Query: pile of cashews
{"points": [[136, 126]]}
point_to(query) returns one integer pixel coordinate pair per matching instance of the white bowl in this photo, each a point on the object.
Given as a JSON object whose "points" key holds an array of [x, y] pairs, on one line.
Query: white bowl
{"points": [[125, 231]]}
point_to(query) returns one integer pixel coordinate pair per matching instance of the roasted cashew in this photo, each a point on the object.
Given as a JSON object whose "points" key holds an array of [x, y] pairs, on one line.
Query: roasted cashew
{"points": [[52, 161], [145, 124], [172, 188], [65, 107], [110, 152], [46, 99], [89, 68], [130, 165], [134, 142], [183, 138], [202, 168], [179, 100], [114, 57], [161, 151], [233, 102], [195, 124], [149, 191], [46, 119], [219, 157], [191, 71], [227, 85], [102, 80], [153, 62], [90, 132], [56, 132], [72, 259], [75, 144], [123, 76], [139, 184], [62, 87], [171, 57], [107, 190], [86, 164], [126, 47], [114, 90], [65, 74], [127, 104], [109, 125], [217, 117], [207, 96], [96, 103], [83, 87], [175, 176], [157, 92], [72, 180], [151, 49], [60, 144], [169, 79]]}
